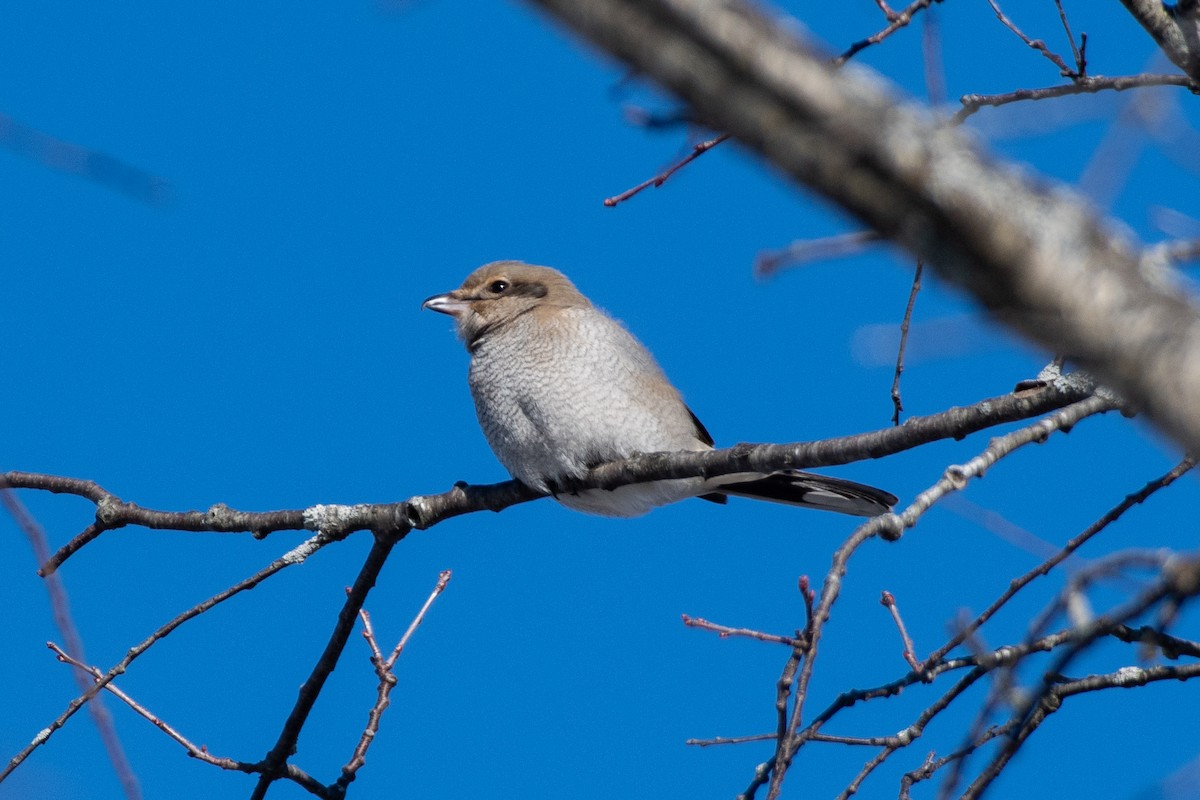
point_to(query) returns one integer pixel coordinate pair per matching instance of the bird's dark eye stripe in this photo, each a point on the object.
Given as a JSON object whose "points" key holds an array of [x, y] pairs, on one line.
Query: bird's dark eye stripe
{"points": [[517, 288], [530, 289]]}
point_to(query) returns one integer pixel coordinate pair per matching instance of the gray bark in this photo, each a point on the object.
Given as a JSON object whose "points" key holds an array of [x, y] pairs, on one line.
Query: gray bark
{"points": [[1035, 255]]}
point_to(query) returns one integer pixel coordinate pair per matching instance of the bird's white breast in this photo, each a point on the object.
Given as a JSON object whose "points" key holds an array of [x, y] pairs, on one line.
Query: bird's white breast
{"points": [[560, 392]]}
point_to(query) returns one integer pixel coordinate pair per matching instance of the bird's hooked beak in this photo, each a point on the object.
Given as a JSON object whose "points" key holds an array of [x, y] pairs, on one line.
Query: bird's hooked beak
{"points": [[445, 304]]}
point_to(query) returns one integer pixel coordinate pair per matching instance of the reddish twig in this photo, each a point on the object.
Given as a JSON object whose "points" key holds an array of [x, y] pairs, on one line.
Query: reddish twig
{"points": [[661, 178], [895, 23], [1036, 44], [385, 669], [886, 9], [888, 601], [808, 595]]}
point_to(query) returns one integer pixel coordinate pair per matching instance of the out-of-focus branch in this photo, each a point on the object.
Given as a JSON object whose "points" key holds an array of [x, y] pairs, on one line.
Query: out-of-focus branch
{"points": [[1034, 255], [74, 159], [807, 250], [1176, 29]]}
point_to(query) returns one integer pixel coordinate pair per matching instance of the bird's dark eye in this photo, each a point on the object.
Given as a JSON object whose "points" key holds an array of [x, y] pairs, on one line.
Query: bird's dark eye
{"points": [[498, 287]]}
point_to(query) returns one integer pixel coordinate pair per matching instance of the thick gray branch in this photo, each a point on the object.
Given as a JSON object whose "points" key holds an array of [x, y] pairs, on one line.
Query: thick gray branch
{"points": [[1176, 29], [1033, 254]]}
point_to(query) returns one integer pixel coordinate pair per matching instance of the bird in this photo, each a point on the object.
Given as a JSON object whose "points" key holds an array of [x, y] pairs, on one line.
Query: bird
{"points": [[561, 387]]}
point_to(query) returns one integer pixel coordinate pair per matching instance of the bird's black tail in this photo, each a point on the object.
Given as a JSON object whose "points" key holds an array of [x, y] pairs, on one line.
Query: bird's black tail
{"points": [[797, 488]]}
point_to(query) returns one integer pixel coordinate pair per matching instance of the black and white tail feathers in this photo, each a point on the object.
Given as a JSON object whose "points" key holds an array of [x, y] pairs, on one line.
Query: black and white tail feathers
{"points": [[795, 488]]}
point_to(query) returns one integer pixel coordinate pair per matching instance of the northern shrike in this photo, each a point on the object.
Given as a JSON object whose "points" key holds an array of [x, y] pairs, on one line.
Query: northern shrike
{"points": [[560, 387]]}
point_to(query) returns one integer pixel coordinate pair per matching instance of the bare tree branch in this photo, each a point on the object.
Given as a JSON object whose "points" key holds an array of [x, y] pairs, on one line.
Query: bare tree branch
{"points": [[275, 765], [425, 511], [971, 103], [792, 737], [1017, 584], [896, 21]]}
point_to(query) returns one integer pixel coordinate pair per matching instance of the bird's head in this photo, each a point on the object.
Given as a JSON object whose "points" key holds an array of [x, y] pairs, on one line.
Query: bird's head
{"points": [[498, 293]]}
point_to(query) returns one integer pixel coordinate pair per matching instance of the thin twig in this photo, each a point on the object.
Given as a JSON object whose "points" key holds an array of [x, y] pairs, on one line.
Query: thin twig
{"points": [[1076, 52], [898, 21], [1036, 44], [725, 632], [661, 178], [758, 737], [971, 103], [385, 669], [194, 751], [897, 404], [888, 601], [932, 765], [865, 772], [886, 9]]}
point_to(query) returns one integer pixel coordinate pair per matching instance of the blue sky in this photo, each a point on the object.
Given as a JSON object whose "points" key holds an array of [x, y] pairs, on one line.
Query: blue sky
{"points": [[256, 340]]}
